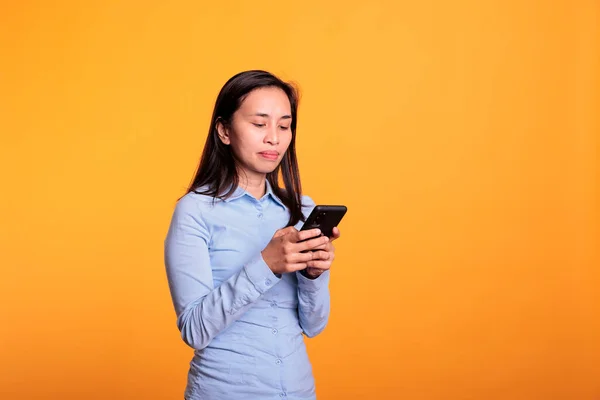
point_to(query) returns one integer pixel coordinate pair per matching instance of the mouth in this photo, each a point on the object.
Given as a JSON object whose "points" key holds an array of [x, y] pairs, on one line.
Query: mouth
{"points": [[269, 155]]}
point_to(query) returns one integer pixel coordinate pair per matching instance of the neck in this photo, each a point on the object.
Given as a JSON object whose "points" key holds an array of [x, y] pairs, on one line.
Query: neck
{"points": [[255, 185]]}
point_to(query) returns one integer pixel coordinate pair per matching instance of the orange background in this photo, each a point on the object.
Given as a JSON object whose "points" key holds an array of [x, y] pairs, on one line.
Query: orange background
{"points": [[462, 136]]}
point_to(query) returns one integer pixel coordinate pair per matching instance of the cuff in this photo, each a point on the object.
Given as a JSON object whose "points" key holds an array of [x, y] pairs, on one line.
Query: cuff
{"points": [[312, 285], [259, 273]]}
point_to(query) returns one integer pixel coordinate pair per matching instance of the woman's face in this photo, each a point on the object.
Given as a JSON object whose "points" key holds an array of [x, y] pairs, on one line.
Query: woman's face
{"points": [[260, 131]]}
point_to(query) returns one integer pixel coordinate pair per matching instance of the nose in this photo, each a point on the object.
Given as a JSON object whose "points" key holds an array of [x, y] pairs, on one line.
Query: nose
{"points": [[272, 136]]}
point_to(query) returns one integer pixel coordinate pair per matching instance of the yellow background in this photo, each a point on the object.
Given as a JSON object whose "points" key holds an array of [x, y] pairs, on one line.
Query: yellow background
{"points": [[462, 136]]}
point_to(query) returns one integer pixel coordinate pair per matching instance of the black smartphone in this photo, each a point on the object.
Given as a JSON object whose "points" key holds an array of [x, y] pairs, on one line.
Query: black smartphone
{"points": [[325, 218]]}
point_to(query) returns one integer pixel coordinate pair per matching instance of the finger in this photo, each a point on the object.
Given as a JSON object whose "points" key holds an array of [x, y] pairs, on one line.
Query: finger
{"points": [[284, 231], [336, 234], [312, 243], [321, 255], [307, 234], [329, 247], [297, 266], [331, 252], [309, 256], [321, 265], [322, 247], [325, 247]]}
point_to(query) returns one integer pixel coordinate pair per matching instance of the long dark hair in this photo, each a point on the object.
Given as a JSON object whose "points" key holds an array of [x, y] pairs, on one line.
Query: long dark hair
{"points": [[217, 173]]}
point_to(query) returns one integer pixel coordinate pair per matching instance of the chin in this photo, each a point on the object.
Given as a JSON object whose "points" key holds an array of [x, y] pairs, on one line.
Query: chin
{"points": [[261, 167], [266, 167], [267, 170]]}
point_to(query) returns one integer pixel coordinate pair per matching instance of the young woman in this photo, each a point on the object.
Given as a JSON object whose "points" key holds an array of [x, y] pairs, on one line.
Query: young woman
{"points": [[245, 282]]}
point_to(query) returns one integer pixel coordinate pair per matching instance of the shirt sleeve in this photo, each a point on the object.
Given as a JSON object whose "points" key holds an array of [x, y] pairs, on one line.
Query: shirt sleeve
{"points": [[204, 311], [313, 294]]}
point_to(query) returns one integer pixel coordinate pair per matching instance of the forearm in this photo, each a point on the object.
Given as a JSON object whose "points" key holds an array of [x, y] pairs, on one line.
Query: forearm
{"points": [[212, 313], [313, 303]]}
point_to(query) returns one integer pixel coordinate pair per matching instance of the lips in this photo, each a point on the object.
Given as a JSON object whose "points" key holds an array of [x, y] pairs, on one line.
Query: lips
{"points": [[269, 155]]}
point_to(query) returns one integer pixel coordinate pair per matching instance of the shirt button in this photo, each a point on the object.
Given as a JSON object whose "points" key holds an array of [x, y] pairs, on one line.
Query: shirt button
{"points": [[274, 331], [282, 394], [267, 282], [273, 304], [278, 362], [260, 215]]}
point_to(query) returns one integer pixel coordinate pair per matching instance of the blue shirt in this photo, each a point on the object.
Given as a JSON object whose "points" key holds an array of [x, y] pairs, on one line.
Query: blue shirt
{"points": [[245, 323]]}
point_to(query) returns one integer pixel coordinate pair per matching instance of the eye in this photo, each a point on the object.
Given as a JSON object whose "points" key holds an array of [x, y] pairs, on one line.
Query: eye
{"points": [[285, 128], [258, 125]]}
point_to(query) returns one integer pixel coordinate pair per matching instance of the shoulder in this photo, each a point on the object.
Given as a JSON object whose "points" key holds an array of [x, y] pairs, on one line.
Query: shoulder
{"points": [[307, 205], [189, 216], [196, 201], [192, 207], [307, 201]]}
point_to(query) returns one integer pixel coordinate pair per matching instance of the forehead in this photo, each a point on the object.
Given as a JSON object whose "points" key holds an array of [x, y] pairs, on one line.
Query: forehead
{"points": [[268, 100]]}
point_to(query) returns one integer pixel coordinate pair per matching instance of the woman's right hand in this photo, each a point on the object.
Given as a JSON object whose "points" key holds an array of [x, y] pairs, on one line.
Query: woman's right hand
{"points": [[288, 249]]}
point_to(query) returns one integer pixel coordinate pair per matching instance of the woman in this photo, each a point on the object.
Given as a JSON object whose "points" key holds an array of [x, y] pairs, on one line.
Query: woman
{"points": [[245, 282]]}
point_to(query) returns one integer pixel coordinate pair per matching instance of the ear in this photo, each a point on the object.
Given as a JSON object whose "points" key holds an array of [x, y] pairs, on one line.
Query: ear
{"points": [[223, 133]]}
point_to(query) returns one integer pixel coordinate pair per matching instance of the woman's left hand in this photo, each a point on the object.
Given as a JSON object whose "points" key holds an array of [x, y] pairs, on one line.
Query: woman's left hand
{"points": [[319, 265]]}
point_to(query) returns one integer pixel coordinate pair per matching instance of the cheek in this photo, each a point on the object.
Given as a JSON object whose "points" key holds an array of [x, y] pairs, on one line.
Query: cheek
{"points": [[239, 149], [244, 148], [238, 140], [286, 140]]}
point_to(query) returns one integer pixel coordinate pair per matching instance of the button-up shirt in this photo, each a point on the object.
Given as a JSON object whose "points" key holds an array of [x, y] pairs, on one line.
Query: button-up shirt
{"points": [[244, 322]]}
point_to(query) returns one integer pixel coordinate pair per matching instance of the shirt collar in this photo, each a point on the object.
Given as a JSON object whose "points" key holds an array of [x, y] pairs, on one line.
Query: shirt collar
{"points": [[273, 195], [239, 192]]}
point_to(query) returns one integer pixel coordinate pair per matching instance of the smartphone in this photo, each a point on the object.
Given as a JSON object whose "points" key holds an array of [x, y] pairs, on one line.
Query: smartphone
{"points": [[325, 218]]}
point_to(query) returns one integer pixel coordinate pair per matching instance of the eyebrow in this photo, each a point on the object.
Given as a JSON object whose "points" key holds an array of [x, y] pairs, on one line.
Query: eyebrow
{"points": [[267, 115]]}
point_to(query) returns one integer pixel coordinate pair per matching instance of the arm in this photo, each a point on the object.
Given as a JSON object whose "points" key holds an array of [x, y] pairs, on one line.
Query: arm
{"points": [[313, 294], [202, 310], [313, 303]]}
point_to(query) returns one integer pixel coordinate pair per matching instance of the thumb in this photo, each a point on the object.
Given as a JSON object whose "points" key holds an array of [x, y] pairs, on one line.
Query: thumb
{"points": [[284, 231], [336, 234]]}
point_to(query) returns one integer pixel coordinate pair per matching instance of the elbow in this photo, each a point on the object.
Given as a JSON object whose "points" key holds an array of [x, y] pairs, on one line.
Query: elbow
{"points": [[314, 329], [311, 333], [193, 335], [194, 341]]}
